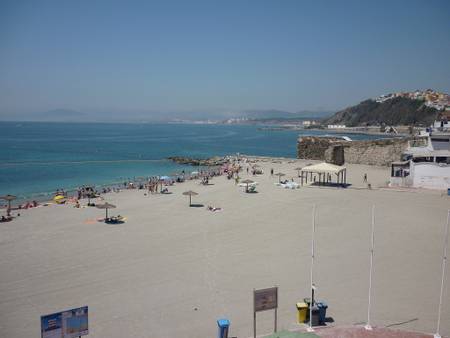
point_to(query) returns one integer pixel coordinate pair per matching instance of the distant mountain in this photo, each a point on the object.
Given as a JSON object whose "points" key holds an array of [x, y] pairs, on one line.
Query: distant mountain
{"points": [[279, 114], [396, 111], [68, 115], [314, 114], [56, 115], [264, 114], [61, 115]]}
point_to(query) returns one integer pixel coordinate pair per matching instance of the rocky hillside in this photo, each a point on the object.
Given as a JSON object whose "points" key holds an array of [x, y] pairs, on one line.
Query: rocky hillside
{"points": [[398, 111]]}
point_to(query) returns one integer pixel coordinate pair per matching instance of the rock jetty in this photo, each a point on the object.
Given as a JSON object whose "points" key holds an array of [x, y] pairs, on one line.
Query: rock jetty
{"points": [[213, 161]]}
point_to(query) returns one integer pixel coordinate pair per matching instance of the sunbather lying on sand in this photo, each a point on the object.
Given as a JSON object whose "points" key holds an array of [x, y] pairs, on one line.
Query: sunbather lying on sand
{"points": [[210, 208]]}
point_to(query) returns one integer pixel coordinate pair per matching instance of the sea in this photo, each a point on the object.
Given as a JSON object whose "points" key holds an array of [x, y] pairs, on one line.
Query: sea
{"points": [[37, 158]]}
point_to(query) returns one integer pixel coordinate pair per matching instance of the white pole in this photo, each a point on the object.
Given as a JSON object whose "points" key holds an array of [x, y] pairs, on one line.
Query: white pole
{"points": [[310, 328], [372, 244], [444, 261]]}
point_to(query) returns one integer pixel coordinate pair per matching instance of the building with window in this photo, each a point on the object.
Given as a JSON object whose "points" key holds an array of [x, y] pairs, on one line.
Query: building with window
{"points": [[426, 163]]}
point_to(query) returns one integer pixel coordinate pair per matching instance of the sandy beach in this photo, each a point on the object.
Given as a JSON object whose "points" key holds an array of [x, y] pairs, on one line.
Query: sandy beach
{"points": [[172, 270]]}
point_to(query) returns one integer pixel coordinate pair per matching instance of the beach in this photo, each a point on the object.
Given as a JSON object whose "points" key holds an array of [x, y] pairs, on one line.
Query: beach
{"points": [[172, 270]]}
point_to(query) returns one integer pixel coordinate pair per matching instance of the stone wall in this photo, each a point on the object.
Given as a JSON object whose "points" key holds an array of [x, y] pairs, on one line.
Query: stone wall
{"points": [[377, 152], [314, 148]]}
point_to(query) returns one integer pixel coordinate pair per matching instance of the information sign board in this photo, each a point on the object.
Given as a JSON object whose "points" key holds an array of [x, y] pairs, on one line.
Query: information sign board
{"points": [[66, 324], [265, 299]]}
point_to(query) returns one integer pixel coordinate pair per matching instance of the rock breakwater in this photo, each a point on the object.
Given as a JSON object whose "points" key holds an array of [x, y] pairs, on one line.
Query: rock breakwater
{"points": [[213, 161]]}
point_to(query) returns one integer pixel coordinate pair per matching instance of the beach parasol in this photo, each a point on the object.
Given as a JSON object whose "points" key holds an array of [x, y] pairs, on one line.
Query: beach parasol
{"points": [[8, 198], [247, 182], [106, 206], [190, 193], [279, 176], [298, 170]]}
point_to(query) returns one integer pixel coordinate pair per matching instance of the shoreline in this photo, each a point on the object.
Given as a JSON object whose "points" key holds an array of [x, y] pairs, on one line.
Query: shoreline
{"points": [[194, 163], [70, 193]]}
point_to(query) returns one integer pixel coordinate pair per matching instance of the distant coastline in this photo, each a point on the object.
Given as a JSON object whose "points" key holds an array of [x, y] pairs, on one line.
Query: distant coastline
{"points": [[354, 131]]}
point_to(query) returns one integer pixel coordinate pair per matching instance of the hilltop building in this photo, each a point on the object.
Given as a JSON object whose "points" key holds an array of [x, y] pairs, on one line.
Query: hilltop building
{"points": [[431, 98]]}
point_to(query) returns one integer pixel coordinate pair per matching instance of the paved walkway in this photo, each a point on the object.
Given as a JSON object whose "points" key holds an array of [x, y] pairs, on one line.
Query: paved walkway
{"points": [[350, 332]]}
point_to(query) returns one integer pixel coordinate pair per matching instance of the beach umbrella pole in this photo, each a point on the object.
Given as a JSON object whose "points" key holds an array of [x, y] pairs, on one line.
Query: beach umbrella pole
{"points": [[444, 261], [372, 242], [310, 328]]}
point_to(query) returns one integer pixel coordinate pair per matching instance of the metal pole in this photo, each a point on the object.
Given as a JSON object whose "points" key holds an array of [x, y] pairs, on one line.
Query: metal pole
{"points": [[254, 324], [276, 315], [444, 261], [368, 326], [310, 328]]}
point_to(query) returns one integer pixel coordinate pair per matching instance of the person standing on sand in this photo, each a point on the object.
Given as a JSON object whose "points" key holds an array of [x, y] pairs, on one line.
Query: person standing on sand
{"points": [[271, 171], [365, 178]]}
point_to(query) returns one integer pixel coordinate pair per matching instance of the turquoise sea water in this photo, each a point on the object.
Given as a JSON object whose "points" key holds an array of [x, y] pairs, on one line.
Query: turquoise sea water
{"points": [[38, 158]]}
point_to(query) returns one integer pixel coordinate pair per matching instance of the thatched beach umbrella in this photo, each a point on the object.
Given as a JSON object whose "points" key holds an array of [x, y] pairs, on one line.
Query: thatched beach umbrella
{"points": [[247, 182], [190, 193], [279, 176], [8, 198], [106, 206]]}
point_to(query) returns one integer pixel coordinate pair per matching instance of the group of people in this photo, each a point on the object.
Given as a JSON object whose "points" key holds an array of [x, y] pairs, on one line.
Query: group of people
{"points": [[153, 184], [28, 205]]}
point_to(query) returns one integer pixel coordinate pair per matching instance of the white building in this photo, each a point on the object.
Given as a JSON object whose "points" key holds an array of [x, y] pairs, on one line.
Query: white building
{"points": [[442, 123], [336, 126], [426, 164], [308, 123]]}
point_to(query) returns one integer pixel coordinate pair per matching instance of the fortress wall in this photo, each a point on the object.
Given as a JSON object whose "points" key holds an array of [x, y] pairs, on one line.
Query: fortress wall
{"points": [[376, 152]]}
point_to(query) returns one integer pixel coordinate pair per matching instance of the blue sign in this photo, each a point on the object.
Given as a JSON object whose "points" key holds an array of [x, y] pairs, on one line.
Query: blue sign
{"points": [[67, 324]]}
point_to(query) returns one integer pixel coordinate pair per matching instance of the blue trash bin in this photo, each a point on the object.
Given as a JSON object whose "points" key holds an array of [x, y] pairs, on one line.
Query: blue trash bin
{"points": [[223, 324], [448, 191], [322, 311]]}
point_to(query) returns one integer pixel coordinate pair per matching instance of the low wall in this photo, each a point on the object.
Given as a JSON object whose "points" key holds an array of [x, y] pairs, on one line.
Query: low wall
{"points": [[333, 150], [430, 175]]}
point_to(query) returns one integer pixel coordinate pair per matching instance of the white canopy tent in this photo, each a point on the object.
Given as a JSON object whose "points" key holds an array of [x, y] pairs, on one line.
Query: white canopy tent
{"points": [[325, 172]]}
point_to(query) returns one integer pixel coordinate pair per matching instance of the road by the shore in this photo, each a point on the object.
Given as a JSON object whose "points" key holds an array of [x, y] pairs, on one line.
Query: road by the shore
{"points": [[172, 270]]}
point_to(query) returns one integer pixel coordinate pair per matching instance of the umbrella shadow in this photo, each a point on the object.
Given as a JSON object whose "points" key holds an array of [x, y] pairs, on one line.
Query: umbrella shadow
{"points": [[118, 222], [197, 205], [331, 185]]}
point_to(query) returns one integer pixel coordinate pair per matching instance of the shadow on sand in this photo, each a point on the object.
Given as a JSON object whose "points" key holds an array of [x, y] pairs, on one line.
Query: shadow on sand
{"points": [[331, 185], [197, 205]]}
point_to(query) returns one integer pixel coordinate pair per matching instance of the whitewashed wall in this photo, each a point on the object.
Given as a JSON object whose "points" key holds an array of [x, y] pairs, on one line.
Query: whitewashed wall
{"points": [[430, 175]]}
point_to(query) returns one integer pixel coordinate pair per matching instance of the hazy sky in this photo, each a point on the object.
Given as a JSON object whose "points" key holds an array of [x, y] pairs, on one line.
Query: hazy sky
{"points": [[189, 55]]}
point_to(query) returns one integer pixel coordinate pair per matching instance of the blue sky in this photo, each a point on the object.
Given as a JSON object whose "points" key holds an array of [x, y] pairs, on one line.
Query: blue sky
{"points": [[145, 56]]}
